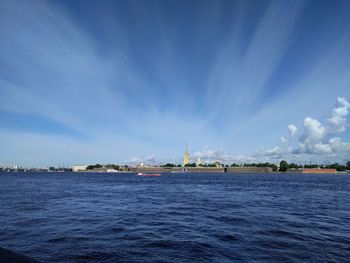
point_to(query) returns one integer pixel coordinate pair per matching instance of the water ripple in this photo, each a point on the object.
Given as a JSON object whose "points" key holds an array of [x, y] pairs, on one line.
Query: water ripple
{"points": [[176, 218]]}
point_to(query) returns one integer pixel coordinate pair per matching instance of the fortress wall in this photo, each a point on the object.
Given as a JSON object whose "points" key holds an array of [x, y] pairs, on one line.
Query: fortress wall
{"points": [[319, 171], [205, 170], [249, 169], [156, 169]]}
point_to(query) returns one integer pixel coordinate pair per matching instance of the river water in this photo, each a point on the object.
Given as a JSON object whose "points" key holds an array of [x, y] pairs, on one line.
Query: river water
{"points": [[78, 217]]}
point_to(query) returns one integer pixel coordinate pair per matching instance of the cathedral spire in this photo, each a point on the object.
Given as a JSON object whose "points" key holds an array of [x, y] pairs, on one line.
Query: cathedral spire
{"points": [[186, 157]]}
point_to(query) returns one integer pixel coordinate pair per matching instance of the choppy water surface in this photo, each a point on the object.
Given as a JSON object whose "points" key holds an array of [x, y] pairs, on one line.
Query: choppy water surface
{"points": [[176, 218]]}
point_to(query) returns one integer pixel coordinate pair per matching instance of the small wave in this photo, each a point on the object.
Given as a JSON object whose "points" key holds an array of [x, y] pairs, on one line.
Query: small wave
{"points": [[200, 247], [162, 244], [282, 233], [177, 213], [81, 238], [118, 229], [274, 244], [57, 240], [229, 237], [232, 220], [96, 256]]}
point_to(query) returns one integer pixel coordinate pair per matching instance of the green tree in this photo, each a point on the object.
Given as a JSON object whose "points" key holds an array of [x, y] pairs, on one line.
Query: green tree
{"points": [[293, 166], [311, 166], [263, 165], [338, 167], [283, 166], [190, 165], [169, 165], [91, 167], [341, 168]]}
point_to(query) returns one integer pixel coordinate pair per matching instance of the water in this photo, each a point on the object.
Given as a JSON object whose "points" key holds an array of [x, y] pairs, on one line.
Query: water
{"points": [[76, 217]]}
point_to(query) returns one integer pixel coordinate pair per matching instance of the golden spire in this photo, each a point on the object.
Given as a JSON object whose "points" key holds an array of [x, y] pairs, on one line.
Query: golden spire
{"points": [[186, 157]]}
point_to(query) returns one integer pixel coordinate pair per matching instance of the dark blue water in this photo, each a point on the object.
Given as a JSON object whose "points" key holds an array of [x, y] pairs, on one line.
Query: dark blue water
{"points": [[75, 217]]}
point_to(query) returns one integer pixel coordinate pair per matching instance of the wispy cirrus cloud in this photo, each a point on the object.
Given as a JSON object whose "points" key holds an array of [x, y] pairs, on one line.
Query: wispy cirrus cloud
{"points": [[241, 74]]}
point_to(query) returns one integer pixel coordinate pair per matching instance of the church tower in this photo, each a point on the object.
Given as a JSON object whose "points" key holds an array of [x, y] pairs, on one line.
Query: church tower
{"points": [[186, 157]]}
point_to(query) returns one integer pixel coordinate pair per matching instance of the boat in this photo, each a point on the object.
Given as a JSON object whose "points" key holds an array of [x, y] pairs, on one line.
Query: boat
{"points": [[147, 174]]}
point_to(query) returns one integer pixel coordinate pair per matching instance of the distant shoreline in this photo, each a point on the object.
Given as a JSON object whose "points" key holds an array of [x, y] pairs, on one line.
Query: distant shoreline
{"points": [[173, 172]]}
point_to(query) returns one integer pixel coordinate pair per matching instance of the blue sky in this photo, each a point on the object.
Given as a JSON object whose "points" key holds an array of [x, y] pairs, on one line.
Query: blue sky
{"points": [[124, 81]]}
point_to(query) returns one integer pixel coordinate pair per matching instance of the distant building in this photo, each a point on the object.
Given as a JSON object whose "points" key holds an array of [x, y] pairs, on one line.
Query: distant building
{"points": [[186, 157], [217, 164], [79, 168], [199, 162], [141, 165]]}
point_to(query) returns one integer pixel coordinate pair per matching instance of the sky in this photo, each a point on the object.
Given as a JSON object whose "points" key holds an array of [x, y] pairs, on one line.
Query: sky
{"points": [[86, 82]]}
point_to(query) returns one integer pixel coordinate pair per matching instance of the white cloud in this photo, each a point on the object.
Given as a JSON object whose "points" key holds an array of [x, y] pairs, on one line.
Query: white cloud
{"points": [[320, 148], [338, 146], [311, 140], [151, 158], [314, 130], [337, 123], [242, 158], [137, 160], [273, 153], [315, 138], [133, 160], [332, 146], [284, 140], [211, 155], [292, 129]]}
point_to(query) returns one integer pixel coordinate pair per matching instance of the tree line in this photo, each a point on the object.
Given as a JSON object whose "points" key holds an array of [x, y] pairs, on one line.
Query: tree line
{"points": [[283, 167]]}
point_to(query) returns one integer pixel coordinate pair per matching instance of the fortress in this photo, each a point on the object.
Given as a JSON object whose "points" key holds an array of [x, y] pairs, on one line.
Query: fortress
{"points": [[199, 168]]}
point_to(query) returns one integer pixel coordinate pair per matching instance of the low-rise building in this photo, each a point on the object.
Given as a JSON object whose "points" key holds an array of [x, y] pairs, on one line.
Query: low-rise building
{"points": [[79, 168]]}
